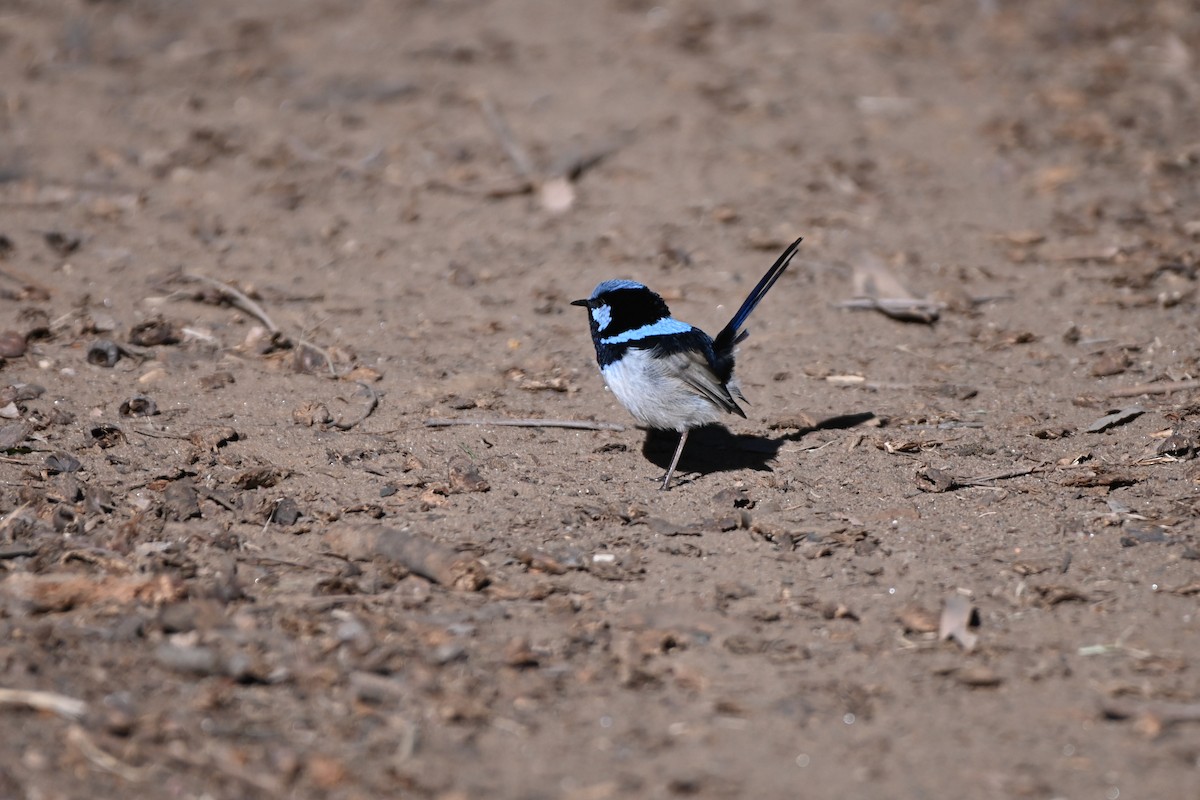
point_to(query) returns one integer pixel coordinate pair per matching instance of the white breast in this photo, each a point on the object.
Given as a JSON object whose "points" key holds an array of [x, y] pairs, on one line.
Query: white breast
{"points": [[655, 395]]}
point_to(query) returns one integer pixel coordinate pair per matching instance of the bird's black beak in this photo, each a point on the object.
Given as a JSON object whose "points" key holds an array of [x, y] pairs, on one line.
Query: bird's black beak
{"points": [[583, 303]]}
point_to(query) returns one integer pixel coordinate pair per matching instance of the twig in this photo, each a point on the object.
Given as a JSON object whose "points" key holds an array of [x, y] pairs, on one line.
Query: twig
{"points": [[18, 552], [105, 761], [228, 765], [553, 185], [270, 561], [889, 303], [308, 154], [496, 191], [321, 352], [905, 309], [238, 298], [372, 404], [27, 284], [574, 164], [67, 707], [1164, 711], [1000, 476], [1154, 388], [582, 425], [1116, 647], [516, 153], [271, 516], [209, 494], [1152, 718], [154, 434], [241, 300], [942, 481]]}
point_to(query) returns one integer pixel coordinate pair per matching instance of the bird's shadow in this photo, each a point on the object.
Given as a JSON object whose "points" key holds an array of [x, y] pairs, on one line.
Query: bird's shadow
{"points": [[714, 448]]}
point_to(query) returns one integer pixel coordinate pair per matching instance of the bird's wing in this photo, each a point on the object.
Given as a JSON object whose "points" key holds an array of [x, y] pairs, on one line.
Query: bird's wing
{"points": [[694, 368]]}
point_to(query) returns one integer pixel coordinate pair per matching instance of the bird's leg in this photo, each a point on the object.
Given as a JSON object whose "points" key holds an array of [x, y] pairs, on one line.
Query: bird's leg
{"points": [[675, 460]]}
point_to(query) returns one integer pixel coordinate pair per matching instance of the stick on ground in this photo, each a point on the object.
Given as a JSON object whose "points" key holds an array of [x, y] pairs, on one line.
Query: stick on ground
{"points": [[60, 704], [241, 300], [104, 760], [238, 298], [1165, 387], [582, 425], [517, 154]]}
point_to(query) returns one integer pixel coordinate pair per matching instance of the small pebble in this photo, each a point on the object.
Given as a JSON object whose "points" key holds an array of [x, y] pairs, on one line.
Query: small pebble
{"points": [[12, 344], [103, 353]]}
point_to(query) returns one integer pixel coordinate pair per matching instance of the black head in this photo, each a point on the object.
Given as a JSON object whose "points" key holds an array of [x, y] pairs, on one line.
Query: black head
{"points": [[619, 306]]}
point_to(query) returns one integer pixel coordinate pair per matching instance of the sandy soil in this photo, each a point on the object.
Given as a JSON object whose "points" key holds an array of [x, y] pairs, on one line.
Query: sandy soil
{"points": [[249, 249]]}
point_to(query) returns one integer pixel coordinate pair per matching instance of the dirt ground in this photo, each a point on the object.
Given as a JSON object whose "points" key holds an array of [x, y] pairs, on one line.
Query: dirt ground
{"points": [[248, 250]]}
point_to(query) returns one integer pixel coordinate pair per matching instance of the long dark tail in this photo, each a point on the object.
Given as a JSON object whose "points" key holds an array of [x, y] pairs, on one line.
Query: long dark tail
{"points": [[732, 333]]}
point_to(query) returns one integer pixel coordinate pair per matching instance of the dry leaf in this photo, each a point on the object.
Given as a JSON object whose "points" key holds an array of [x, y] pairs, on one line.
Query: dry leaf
{"points": [[917, 620], [63, 592], [1115, 418]]}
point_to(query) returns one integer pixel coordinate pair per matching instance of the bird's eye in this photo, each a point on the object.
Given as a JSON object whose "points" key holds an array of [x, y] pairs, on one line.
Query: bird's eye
{"points": [[602, 315]]}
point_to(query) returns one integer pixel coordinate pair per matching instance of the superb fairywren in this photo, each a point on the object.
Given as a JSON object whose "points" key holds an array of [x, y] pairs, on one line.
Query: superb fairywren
{"points": [[668, 374]]}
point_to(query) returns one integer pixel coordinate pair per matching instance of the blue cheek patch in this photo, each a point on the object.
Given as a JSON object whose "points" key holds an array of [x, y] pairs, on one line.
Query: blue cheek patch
{"points": [[602, 315], [662, 327]]}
